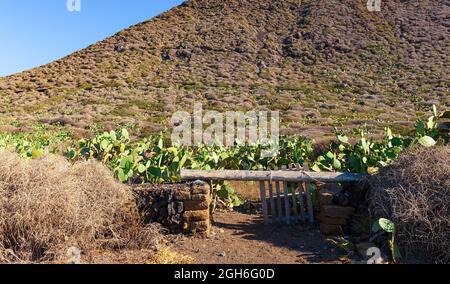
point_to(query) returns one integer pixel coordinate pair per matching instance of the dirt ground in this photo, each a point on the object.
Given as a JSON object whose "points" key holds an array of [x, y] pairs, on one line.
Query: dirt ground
{"points": [[242, 238]]}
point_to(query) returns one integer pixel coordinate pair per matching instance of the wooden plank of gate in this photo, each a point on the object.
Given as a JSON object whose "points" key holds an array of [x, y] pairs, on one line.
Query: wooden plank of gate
{"points": [[277, 188], [294, 197], [286, 200], [301, 197], [262, 192], [273, 211], [308, 197]]}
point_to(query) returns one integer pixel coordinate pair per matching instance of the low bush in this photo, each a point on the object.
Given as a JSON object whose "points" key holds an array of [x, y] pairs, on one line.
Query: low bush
{"points": [[48, 205], [415, 194]]}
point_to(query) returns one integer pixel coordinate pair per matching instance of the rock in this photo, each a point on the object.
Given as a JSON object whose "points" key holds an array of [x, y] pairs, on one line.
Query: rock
{"points": [[182, 195], [343, 198], [200, 226], [183, 54], [119, 48], [330, 230], [200, 215], [200, 197], [332, 221], [335, 211], [325, 197], [193, 205], [222, 254], [200, 187]]}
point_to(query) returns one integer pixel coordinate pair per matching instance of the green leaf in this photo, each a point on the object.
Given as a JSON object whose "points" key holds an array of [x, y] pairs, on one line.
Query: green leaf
{"points": [[427, 141], [383, 224], [121, 175], [431, 123], [396, 142], [142, 168], [237, 201], [104, 144], [113, 135], [155, 171], [183, 160], [420, 128], [316, 168], [343, 139], [37, 153], [222, 193], [124, 133], [354, 162], [330, 155], [337, 164]]}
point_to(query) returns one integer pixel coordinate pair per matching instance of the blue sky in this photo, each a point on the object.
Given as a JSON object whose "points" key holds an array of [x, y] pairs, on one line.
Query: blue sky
{"points": [[35, 32]]}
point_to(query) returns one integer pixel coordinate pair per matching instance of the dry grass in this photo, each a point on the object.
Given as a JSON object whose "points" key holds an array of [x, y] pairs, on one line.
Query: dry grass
{"points": [[168, 256], [415, 194], [48, 205]]}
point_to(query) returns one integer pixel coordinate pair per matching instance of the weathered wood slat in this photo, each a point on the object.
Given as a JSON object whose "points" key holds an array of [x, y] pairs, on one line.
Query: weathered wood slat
{"points": [[301, 198], [278, 193], [285, 176], [272, 202], [262, 192], [294, 198], [308, 197], [287, 207]]}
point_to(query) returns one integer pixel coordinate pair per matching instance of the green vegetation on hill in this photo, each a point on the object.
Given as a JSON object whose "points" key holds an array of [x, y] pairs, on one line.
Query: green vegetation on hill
{"points": [[156, 160]]}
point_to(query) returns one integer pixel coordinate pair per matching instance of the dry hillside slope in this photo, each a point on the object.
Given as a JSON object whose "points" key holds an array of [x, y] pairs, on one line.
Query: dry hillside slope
{"points": [[320, 62]]}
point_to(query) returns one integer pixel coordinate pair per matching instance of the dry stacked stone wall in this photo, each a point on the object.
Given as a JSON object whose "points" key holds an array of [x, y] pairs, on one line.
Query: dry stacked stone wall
{"points": [[179, 207], [337, 205]]}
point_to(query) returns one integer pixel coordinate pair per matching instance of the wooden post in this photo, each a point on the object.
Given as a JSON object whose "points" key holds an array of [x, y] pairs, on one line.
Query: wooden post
{"points": [[272, 202], [288, 176], [262, 191], [308, 197], [280, 214], [301, 197], [287, 208], [294, 197]]}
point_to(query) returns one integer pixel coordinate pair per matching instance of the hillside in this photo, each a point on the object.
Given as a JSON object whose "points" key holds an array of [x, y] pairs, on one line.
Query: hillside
{"points": [[322, 63]]}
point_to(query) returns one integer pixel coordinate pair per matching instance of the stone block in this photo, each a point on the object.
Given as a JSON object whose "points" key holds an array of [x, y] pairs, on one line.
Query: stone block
{"points": [[200, 187], [200, 226], [200, 197], [335, 211], [332, 221], [200, 215], [182, 194], [325, 197], [330, 230], [193, 205]]}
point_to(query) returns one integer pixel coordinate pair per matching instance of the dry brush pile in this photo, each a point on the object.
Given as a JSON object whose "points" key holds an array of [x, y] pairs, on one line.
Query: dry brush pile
{"points": [[48, 205], [415, 194]]}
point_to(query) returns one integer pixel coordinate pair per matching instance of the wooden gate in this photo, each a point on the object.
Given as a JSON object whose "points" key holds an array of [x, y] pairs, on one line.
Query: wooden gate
{"points": [[285, 193], [287, 202]]}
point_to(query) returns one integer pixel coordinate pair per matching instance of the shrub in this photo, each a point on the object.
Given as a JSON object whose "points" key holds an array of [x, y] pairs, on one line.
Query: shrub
{"points": [[48, 205], [415, 194]]}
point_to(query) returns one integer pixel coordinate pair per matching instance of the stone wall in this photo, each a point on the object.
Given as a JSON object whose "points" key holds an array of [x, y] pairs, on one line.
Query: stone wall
{"points": [[337, 206], [179, 207]]}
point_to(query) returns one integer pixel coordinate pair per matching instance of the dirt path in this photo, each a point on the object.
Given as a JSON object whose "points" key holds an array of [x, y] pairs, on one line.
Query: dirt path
{"points": [[240, 238]]}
